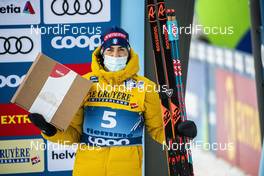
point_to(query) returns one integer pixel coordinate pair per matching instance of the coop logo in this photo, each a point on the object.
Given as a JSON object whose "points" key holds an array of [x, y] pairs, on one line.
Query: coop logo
{"points": [[18, 155], [14, 45], [67, 8], [11, 81], [81, 41], [11, 8], [97, 141]]}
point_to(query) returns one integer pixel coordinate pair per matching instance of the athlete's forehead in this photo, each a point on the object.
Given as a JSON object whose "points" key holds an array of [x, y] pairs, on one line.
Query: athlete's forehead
{"points": [[116, 47]]}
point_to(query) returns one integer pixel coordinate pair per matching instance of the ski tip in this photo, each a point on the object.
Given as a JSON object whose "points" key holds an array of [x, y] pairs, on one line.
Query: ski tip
{"points": [[173, 12], [170, 12]]}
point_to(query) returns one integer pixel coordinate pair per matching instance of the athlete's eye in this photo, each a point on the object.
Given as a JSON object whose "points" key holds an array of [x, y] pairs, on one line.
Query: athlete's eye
{"points": [[109, 49], [122, 49]]}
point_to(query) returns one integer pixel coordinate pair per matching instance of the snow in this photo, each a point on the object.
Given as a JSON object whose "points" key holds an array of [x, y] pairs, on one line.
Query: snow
{"points": [[207, 164]]}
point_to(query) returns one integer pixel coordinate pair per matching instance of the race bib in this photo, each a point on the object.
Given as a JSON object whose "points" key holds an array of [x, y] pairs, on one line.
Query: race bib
{"points": [[104, 126]]}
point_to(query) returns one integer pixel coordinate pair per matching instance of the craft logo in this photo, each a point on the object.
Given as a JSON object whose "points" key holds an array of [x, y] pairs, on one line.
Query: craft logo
{"points": [[94, 79], [130, 83], [11, 8], [17, 156]]}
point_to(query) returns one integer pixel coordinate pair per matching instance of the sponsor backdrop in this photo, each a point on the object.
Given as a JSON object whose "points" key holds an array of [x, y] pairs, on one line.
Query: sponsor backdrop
{"points": [[67, 31], [224, 81], [196, 95]]}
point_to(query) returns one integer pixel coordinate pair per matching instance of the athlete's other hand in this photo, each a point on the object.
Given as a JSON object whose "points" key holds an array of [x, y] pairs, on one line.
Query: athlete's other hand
{"points": [[187, 128], [39, 121]]}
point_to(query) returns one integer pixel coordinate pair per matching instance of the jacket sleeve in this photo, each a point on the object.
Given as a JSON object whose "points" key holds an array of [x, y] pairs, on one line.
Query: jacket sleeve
{"points": [[153, 116], [72, 134]]}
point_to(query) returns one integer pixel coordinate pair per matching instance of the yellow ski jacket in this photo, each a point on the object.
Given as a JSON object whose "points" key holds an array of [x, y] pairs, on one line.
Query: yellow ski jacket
{"points": [[117, 153]]}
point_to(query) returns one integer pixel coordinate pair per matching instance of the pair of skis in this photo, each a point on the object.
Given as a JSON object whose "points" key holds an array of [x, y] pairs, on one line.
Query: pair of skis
{"points": [[168, 72]]}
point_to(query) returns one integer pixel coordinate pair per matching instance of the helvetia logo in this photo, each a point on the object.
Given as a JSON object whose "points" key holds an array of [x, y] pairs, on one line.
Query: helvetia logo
{"points": [[11, 8], [28, 8]]}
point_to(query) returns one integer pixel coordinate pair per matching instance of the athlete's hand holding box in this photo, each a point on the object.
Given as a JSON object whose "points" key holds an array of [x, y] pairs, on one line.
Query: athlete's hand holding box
{"points": [[52, 90]]}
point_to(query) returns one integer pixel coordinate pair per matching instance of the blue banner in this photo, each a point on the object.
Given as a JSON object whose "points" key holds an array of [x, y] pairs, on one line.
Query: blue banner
{"points": [[105, 126]]}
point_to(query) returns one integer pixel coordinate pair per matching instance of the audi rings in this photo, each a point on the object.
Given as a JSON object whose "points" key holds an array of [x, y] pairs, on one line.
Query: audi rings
{"points": [[10, 47], [65, 8]]}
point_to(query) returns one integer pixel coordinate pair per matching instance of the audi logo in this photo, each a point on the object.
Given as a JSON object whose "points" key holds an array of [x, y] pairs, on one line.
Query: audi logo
{"points": [[73, 7], [14, 45]]}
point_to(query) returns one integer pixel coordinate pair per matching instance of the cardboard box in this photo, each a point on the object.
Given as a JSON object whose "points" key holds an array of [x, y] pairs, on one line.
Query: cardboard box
{"points": [[52, 90]]}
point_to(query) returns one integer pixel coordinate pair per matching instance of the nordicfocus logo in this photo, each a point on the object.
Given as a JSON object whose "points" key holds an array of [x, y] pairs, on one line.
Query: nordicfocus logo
{"points": [[15, 45], [11, 81], [81, 41], [11, 8], [81, 7]]}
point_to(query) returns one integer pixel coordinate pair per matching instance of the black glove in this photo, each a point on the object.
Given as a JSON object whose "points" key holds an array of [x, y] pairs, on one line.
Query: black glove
{"points": [[187, 128], [39, 121]]}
